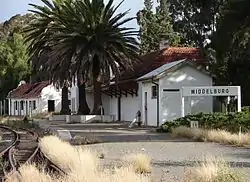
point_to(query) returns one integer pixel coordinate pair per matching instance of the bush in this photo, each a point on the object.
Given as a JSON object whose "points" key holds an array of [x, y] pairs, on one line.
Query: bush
{"points": [[225, 121], [25, 123]]}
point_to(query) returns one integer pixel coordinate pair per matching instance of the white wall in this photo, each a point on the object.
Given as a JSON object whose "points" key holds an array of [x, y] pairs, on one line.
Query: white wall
{"points": [[114, 107], [129, 107], [74, 96], [170, 107], [50, 93]]}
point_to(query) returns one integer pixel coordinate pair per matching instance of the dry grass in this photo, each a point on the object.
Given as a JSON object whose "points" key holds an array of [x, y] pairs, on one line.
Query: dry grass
{"points": [[65, 156], [219, 136], [81, 164], [193, 133], [213, 170], [5, 119], [140, 163], [30, 173], [44, 115]]}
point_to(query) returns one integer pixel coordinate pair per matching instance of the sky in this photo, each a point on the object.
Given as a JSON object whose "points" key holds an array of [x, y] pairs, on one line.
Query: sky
{"points": [[10, 8]]}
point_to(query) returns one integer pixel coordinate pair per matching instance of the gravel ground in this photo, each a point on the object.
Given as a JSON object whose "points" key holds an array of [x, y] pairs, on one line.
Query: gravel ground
{"points": [[170, 157], [170, 160]]}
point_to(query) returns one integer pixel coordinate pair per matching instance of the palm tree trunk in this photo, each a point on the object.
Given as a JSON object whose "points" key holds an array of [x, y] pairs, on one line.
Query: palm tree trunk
{"points": [[65, 101], [83, 108], [97, 96]]}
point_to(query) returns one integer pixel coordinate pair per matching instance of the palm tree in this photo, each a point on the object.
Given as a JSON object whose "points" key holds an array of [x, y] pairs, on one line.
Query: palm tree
{"points": [[94, 33], [47, 65]]}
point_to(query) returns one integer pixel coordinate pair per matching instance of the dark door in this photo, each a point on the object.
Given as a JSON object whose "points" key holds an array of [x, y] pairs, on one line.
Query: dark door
{"points": [[51, 106], [146, 107], [119, 108]]}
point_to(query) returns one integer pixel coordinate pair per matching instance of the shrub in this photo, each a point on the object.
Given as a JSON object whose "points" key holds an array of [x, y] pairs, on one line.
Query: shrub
{"points": [[225, 121], [25, 123]]}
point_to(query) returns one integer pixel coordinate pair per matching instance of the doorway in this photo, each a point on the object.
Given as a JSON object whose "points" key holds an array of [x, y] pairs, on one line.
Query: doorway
{"points": [[146, 107], [119, 108], [51, 105]]}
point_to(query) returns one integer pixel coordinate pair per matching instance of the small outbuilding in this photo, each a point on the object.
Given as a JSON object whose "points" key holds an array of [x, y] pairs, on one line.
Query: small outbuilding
{"points": [[34, 98], [161, 92]]}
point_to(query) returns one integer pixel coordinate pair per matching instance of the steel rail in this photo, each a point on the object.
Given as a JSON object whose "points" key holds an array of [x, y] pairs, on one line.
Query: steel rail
{"points": [[3, 152], [36, 152]]}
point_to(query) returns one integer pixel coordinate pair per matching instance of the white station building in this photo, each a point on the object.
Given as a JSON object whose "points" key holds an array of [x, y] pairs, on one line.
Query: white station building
{"points": [[155, 88]]}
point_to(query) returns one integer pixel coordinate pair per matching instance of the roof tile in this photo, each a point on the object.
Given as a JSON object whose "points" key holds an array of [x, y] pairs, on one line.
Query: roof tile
{"points": [[156, 59], [27, 90]]}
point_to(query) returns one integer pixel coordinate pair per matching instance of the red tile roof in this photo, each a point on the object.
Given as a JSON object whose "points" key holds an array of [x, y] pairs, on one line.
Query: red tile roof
{"points": [[152, 61], [156, 59], [27, 90]]}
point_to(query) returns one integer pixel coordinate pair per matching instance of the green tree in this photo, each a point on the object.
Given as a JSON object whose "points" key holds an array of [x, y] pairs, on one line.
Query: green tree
{"points": [[14, 63], [231, 41], [155, 27], [195, 21], [85, 37]]}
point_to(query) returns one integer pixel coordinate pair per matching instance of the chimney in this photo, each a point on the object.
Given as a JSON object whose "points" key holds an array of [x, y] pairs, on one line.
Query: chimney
{"points": [[21, 83], [164, 44]]}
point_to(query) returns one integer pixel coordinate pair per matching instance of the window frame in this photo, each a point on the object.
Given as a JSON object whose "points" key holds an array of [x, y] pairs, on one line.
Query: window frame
{"points": [[33, 105], [154, 92]]}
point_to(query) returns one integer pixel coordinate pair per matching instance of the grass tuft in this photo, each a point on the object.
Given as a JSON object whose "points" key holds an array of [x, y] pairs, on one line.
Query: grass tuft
{"points": [[67, 157], [141, 163], [82, 165], [218, 136], [30, 173], [213, 170]]}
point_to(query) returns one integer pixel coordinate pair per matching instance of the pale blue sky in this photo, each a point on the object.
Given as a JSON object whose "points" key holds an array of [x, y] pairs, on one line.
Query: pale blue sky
{"points": [[10, 8]]}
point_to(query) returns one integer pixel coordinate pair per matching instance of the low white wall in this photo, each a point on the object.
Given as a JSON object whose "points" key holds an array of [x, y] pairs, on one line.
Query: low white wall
{"points": [[59, 118], [82, 118], [91, 118]]}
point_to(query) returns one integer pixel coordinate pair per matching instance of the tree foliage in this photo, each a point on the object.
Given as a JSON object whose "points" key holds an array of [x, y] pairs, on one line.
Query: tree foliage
{"points": [[14, 58], [196, 20], [82, 36], [231, 42], [155, 27]]}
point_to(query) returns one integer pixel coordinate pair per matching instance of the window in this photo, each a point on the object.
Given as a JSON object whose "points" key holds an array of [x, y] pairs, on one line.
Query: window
{"points": [[22, 104], [57, 89], [154, 92], [34, 104]]}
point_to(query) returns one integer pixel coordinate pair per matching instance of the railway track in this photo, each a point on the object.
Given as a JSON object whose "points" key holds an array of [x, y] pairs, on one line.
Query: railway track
{"points": [[8, 140], [22, 148]]}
